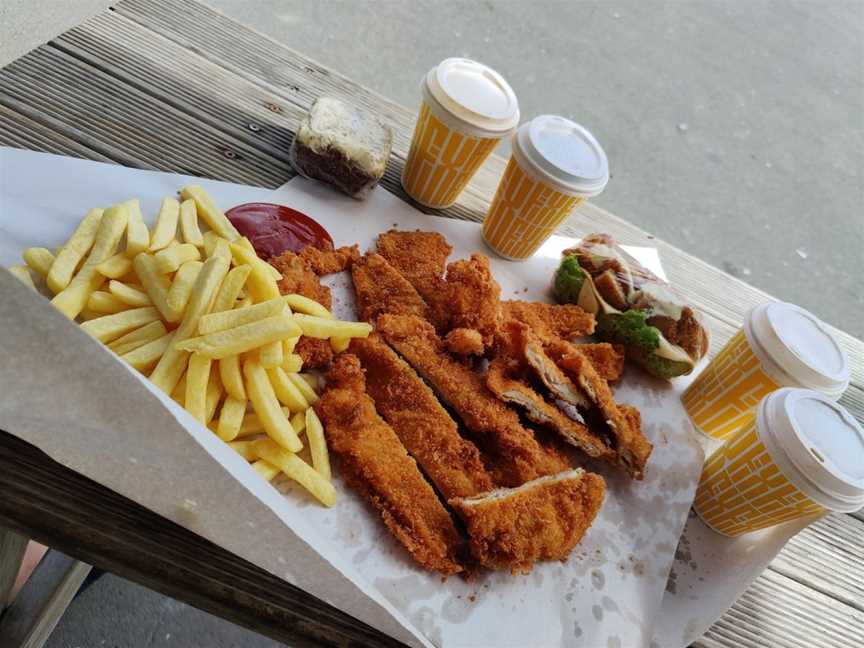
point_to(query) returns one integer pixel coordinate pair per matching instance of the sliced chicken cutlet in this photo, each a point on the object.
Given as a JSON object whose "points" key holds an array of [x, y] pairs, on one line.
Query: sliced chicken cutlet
{"points": [[607, 359], [420, 257], [425, 428], [473, 297], [326, 260], [549, 321], [543, 519], [624, 423], [381, 289], [494, 427], [502, 379], [298, 277], [376, 465]]}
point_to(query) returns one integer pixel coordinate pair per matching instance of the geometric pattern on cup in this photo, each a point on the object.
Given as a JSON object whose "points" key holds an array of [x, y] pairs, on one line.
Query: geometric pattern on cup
{"points": [[524, 213], [441, 161], [742, 490], [723, 398]]}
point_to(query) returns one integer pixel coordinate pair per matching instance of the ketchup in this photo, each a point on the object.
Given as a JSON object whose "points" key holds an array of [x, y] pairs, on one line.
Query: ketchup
{"points": [[274, 229]]}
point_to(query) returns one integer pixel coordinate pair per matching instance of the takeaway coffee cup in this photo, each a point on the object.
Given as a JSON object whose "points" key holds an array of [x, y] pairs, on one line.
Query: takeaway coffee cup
{"points": [[780, 345], [556, 164], [467, 109], [801, 455]]}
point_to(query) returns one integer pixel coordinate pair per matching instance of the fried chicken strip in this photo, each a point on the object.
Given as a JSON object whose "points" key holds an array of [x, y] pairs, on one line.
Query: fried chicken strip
{"points": [[549, 321], [496, 429], [421, 423], [541, 520], [502, 382], [377, 466], [607, 359], [381, 289], [298, 277], [420, 257], [625, 424], [473, 297], [464, 342], [327, 260]]}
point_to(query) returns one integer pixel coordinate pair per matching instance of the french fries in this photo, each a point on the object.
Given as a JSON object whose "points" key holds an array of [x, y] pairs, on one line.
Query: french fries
{"points": [[297, 469], [73, 251], [173, 256], [128, 295], [267, 408], [110, 327], [208, 210], [137, 234], [166, 224], [204, 318], [115, 267], [73, 297], [189, 224], [324, 329], [215, 322], [39, 259], [241, 338]]}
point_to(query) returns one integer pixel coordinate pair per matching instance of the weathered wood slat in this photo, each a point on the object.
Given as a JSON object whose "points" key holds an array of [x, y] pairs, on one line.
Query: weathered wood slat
{"points": [[778, 611], [83, 99], [21, 132], [12, 548], [827, 556], [57, 506]]}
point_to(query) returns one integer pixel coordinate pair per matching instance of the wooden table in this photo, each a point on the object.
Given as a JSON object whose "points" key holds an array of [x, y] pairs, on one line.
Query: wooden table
{"points": [[174, 86]]}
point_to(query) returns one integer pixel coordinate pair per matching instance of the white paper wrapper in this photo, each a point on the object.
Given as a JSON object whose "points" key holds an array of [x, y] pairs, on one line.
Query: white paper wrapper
{"points": [[608, 593]]}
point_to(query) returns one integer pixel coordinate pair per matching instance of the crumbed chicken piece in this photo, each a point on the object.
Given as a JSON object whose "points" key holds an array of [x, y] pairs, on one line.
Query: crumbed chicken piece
{"points": [[324, 261], [376, 465], [381, 289], [464, 342], [550, 321], [543, 519], [298, 277], [686, 332], [502, 381], [493, 426], [607, 359], [528, 349], [425, 428], [632, 447], [420, 257], [473, 297]]}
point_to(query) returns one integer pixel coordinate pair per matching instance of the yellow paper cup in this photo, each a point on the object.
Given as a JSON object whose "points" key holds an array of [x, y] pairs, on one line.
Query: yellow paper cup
{"points": [[467, 109], [802, 454], [555, 165], [780, 345]]}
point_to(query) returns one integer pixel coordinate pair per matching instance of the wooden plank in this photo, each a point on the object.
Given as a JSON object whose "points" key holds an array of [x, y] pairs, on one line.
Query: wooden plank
{"points": [[778, 611], [12, 548], [22, 132], [97, 110], [37, 609], [57, 506], [827, 556]]}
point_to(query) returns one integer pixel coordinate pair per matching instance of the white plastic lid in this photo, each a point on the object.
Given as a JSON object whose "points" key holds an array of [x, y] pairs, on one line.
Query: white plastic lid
{"points": [[817, 445], [471, 97], [562, 154], [800, 351]]}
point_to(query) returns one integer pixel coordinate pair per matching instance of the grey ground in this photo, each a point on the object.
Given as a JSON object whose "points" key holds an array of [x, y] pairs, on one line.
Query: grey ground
{"points": [[735, 130]]}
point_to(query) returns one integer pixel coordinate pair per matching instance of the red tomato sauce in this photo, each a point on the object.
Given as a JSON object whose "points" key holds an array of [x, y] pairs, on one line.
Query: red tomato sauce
{"points": [[274, 229]]}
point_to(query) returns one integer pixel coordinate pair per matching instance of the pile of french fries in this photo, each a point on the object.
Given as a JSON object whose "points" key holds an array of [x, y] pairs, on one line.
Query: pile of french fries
{"points": [[201, 314]]}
